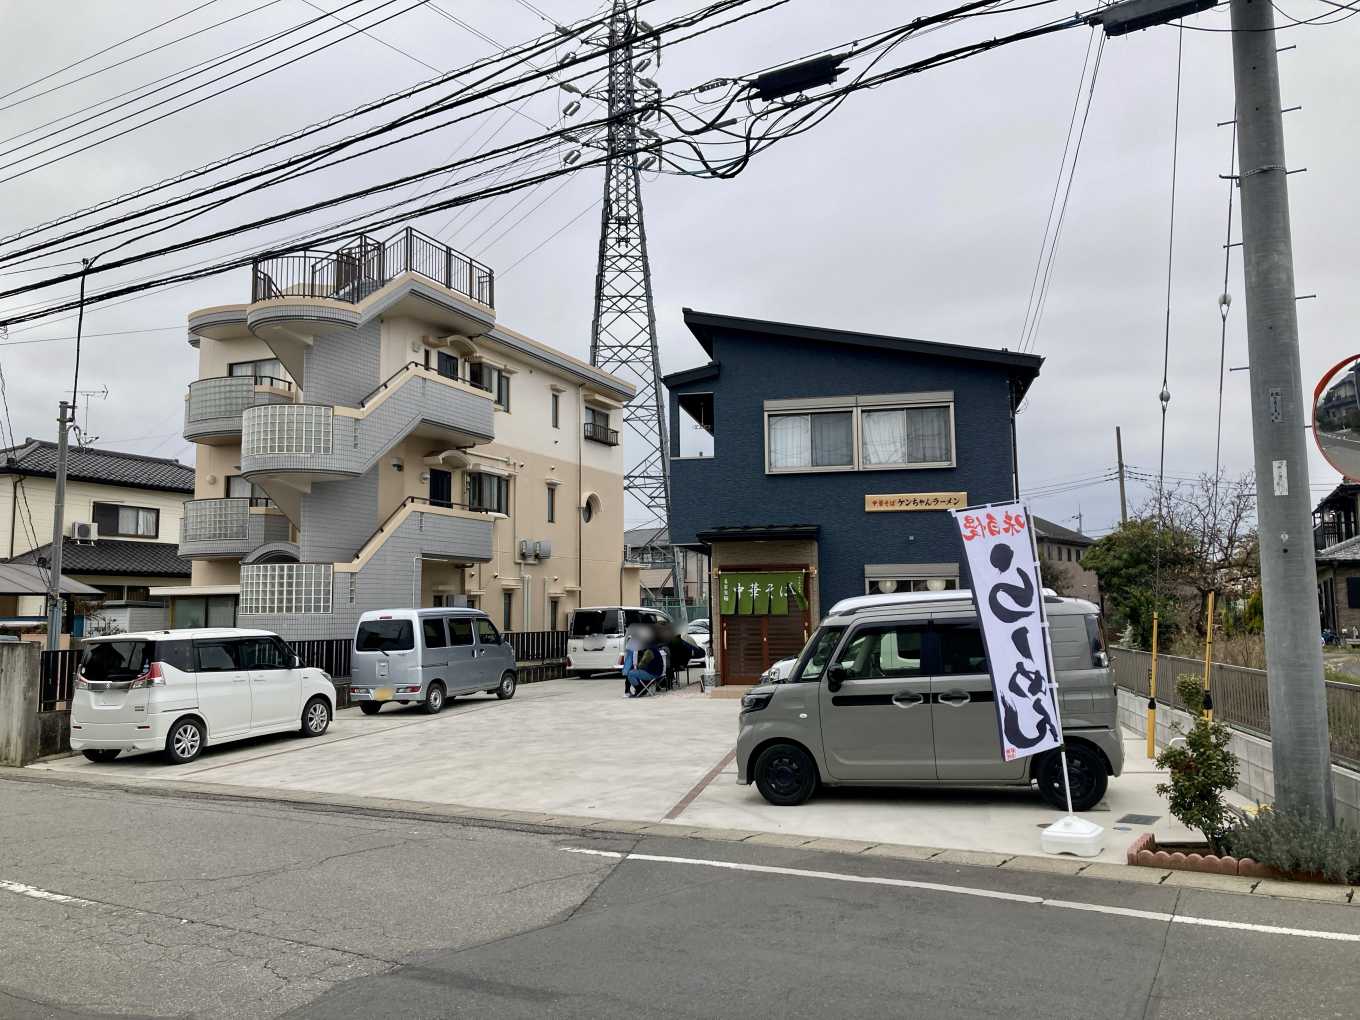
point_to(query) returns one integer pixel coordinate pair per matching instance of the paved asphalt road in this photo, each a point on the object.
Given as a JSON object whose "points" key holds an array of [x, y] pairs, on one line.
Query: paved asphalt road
{"points": [[142, 904]]}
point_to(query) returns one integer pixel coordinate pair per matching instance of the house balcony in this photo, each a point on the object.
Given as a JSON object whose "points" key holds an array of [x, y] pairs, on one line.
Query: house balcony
{"points": [[229, 528], [297, 444], [601, 434], [300, 295], [213, 407]]}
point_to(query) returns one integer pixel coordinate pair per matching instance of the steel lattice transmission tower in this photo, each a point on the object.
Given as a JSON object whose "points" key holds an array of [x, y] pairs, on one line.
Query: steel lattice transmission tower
{"points": [[623, 336]]}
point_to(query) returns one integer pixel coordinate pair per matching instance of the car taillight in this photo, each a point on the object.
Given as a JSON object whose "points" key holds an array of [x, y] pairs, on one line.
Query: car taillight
{"points": [[81, 683], [151, 678]]}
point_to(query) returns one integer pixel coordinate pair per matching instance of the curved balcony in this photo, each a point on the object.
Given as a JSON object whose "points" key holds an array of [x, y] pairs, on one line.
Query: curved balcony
{"points": [[213, 408], [296, 444], [229, 528]]}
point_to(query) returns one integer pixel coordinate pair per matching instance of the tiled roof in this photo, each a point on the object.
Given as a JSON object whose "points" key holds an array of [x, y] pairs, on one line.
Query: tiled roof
{"points": [[1057, 533], [1348, 550], [39, 457], [114, 556]]}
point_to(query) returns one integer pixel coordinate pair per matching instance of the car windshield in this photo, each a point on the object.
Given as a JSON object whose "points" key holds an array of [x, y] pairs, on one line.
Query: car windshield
{"points": [[818, 653], [385, 636], [114, 660], [592, 622]]}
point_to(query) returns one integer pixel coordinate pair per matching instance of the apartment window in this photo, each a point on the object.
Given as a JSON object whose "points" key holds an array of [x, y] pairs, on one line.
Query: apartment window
{"points": [[502, 391], [118, 521], [552, 504], [240, 488], [446, 365], [489, 493], [557, 410], [908, 582], [266, 369], [491, 379], [553, 621], [597, 418], [871, 433], [803, 441], [507, 610]]}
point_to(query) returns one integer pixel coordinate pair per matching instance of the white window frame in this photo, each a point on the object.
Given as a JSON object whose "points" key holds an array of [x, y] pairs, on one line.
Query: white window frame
{"points": [[857, 406]]}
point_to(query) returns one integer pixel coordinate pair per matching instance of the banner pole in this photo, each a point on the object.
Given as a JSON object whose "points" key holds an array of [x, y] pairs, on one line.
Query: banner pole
{"points": [[1152, 695], [1048, 656], [1208, 657]]}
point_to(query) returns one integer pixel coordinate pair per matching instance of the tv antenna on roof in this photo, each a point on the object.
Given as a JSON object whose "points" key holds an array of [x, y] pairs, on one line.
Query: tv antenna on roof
{"points": [[83, 438]]}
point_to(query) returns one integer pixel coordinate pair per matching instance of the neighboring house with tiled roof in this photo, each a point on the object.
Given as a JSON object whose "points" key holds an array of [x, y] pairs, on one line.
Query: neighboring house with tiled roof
{"points": [[121, 519], [1067, 547], [1338, 577]]}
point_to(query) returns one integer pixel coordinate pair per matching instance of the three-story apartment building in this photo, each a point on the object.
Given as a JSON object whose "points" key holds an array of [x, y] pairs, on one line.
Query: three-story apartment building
{"points": [[370, 436]]}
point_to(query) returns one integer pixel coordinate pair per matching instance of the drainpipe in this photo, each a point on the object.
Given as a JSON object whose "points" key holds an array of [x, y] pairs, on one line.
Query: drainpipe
{"points": [[13, 510], [581, 493]]}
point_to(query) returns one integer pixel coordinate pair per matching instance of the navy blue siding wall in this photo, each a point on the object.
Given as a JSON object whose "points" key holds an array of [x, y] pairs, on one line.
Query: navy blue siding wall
{"points": [[732, 488]]}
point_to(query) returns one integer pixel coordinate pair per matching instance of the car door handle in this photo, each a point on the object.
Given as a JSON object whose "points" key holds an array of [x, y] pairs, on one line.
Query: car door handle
{"points": [[907, 699], [955, 699]]}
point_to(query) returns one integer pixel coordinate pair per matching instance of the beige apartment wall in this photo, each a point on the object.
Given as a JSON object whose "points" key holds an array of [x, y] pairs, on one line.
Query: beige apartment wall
{"points": [[80, 500], [212, 467], [401, 343], [215, 357], [215, 572]]}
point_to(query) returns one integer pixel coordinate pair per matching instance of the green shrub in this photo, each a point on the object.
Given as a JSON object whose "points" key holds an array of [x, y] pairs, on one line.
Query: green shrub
{"points": [[1202, 770], [1297, 843], [1190, 687]]}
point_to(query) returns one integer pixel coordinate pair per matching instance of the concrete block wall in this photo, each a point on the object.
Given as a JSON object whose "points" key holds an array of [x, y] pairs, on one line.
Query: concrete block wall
{"points": [[19, 680], [1256, 774]]}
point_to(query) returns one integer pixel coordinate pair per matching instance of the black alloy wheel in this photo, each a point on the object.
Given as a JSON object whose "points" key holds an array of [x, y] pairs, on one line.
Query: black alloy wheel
{"points": [[785, 774]]}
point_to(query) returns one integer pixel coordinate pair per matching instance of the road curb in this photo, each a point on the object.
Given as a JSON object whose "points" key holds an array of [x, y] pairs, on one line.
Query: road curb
{"points": [[534, 821]]}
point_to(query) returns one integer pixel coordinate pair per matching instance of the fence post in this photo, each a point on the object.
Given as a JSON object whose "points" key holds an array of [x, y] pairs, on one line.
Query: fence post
{"points": [[20, 676]]}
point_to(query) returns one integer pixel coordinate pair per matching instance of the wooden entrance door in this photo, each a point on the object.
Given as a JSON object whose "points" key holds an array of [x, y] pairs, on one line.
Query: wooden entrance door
{"points": [[752, 644]]}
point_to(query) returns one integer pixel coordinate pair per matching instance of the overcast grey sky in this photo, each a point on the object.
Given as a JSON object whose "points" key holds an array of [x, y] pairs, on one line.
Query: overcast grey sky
{"points": [[916, 210]]}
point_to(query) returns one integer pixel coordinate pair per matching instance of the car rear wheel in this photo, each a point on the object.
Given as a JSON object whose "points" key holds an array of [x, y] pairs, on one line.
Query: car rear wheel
{"points": [[785, 774], [184, 742], [101, 754], [506, 690], [316, 717], [434, 698], [370, 707], [1085, 768]]}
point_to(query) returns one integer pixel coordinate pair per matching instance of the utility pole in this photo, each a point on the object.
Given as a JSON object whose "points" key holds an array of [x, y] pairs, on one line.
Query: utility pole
{"points": [[1298, 700], [65, 416], [1119, 456]]}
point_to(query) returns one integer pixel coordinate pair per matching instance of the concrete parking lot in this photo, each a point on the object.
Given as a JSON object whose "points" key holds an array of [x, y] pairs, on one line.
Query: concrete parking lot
{"points": [[576, 747]]}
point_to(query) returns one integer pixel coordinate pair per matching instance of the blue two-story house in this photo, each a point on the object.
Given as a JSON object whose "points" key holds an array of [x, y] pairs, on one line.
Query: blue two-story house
{"points": [[815, 464]]}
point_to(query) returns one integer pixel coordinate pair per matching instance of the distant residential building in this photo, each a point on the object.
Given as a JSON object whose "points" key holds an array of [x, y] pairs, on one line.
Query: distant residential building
{"points": [[835, 457], [371, 436], [1066, 548], [650, 550], [1336, 541], [122, 522]]}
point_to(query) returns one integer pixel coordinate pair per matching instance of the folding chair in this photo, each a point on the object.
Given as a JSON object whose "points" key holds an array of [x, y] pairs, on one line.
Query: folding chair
{"points": [[658, 682]]}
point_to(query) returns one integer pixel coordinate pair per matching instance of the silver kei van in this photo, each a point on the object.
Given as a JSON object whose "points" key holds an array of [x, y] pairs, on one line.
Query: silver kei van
{"points": [[894, 690], [426, 656]]}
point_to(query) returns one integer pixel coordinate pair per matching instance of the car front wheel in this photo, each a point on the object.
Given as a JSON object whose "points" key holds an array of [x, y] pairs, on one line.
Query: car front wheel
{"points": [[785, 774], [1085, 768], [316, 717], [506, 690]]}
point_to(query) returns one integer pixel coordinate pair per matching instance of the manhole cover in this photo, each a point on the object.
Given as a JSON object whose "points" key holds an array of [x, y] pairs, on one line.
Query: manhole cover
{"points": [[1138, 819]]}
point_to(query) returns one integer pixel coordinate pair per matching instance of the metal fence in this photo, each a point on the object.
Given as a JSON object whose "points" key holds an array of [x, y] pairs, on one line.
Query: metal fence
{"points": [[1241, 696], [57, 679]]}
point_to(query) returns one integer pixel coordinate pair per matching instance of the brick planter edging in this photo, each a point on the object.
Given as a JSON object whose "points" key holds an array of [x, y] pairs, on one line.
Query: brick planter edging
{"points": [[1143, 851]]}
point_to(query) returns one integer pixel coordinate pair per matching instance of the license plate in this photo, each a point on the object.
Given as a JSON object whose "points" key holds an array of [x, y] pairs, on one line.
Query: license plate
{"points": [[595, 646], [383, 694]]}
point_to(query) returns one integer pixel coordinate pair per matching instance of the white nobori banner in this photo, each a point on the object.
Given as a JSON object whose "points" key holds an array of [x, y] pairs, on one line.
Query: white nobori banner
{"points": [[999, 544]]}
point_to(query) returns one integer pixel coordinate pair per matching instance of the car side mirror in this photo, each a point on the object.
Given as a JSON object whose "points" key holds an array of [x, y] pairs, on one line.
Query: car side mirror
{"points": [[835, 676], [297, 661]]}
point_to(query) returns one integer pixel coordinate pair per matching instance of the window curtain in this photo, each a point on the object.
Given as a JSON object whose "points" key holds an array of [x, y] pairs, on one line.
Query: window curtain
{"points": [[927, 435], [833, 439], [884, 437], [790, 441]]}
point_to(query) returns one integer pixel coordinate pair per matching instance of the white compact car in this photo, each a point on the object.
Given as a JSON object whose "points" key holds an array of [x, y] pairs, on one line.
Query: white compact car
{"points": [[596, 636], [179, 690]]}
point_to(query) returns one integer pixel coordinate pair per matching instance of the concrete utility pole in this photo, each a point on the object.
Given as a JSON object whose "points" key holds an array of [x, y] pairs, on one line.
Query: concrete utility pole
{"points": [[54, 604], [1298, 700], [1119, 456]]}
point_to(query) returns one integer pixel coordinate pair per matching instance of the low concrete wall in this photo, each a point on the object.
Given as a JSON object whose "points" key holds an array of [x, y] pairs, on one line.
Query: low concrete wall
{"points": [[1256, 773], [54, 733], [20, 677]]}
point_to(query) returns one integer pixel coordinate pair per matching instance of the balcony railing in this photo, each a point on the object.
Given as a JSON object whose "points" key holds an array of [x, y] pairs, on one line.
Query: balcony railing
{"points": [[601, 434], [226, 528], [365, 264], [215, 405]]}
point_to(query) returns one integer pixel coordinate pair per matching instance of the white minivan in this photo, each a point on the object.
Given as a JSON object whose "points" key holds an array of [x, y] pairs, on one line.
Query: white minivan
{"points": [[596, 636], [178, 691]]}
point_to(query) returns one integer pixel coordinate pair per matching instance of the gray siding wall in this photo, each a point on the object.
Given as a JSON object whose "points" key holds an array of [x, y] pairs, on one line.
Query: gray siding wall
{"points": [[338, 517], [341, 368]]}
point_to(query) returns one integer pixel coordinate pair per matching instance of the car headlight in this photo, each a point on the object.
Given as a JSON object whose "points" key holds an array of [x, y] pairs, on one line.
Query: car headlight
{"points": [[755, 700]]}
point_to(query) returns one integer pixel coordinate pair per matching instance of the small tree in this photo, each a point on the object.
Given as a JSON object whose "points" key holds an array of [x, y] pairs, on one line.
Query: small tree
{"points": [[1202, 770]]}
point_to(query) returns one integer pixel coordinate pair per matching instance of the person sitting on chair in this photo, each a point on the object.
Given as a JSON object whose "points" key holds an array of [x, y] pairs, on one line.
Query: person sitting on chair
{"points": [[646, 667]]}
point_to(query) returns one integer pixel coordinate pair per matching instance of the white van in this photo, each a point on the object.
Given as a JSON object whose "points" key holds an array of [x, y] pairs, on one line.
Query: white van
{"points": [[179, 690], [595, 636]]}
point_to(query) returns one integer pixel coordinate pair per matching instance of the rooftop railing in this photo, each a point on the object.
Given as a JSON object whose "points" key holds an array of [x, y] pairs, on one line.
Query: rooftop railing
{"points": [[365, 264]]}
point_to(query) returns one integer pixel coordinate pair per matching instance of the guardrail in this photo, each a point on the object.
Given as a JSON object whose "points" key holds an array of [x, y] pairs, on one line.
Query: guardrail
{"points": [[1241, 696]]}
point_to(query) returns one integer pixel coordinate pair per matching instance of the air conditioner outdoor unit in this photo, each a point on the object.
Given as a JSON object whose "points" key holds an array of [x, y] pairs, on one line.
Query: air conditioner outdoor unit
{"points": [[526, 549], [543, 549], [84, 531]]}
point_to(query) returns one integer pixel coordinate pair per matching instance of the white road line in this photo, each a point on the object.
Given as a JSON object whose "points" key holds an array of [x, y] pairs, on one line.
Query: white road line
{"points": [[991, 894], [34, 893]]}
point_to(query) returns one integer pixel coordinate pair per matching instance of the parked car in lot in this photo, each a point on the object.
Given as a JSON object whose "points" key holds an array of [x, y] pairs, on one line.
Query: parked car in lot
{"points": [[180, 690], [426, 656], [596, 636], [894, 690], [700, 632]]}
